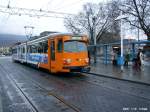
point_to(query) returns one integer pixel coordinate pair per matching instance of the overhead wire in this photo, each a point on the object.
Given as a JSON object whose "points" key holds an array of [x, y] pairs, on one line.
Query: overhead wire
{"points": [[34, 12], [33, 15], [6, 18], [25, 11]]}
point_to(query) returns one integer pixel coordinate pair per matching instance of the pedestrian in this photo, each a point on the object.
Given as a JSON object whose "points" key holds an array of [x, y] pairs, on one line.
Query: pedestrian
{"points": [[140, 59], [114, 58], [127, 58]]}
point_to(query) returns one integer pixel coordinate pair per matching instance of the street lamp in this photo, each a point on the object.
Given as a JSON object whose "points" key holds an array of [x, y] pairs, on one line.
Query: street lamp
{"points": [[28, 31], [121, 34], [94, 36]]}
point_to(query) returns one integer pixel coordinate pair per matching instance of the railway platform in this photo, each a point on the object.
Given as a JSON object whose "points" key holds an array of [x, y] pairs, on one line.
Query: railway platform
{"points": [[129, 73]]}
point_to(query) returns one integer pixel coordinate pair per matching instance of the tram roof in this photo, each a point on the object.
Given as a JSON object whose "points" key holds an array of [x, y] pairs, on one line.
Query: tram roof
{"points": [[50, 36]]}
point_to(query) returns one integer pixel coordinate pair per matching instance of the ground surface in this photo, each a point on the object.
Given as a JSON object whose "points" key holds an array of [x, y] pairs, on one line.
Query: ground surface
{"points": [[25, 89]]}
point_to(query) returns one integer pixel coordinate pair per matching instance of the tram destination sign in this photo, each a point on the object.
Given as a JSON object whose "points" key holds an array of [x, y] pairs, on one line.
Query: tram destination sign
{"points": [[76, 38]]}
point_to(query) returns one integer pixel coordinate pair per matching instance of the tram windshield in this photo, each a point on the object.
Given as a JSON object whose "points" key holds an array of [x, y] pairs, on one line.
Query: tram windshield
{"points": [[74, 46]]}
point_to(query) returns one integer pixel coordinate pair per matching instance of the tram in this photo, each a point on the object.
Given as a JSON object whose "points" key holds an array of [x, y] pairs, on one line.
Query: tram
{"points": [[57, 52]]}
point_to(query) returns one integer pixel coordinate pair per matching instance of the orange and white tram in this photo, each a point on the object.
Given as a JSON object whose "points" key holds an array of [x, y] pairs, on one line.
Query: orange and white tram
{"points": [[58, 52]]}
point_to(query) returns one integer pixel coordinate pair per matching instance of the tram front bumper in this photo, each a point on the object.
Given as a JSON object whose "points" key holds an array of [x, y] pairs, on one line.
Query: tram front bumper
{"points": [[78, 69]]}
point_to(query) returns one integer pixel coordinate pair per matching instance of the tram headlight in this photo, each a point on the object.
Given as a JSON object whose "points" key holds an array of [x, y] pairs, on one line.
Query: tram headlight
{"points": [[67, 61]]}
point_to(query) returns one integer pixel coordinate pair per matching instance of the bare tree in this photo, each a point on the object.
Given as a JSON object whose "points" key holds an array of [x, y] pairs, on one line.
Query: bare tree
{"points": [[71, 25], [94, 18], [139, 14]]}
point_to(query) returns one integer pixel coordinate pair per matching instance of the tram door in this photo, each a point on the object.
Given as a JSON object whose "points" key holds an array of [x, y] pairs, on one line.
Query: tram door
{"points": [[56, 55], [59, 54], [52, 56]]}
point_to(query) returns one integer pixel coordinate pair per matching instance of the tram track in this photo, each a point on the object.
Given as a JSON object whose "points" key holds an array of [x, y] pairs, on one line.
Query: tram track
{"points": [[32, 106], [24, 71], [93, 82], [49, 92], [98, 84]]}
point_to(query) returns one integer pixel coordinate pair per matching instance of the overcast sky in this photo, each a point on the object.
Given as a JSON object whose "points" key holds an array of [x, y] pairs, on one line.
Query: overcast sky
{"points": [[14, 24]]}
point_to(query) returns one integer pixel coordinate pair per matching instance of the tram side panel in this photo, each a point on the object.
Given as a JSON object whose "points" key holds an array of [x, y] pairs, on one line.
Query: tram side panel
{"points": [[23, 53], [37, 54], [43, 56]]}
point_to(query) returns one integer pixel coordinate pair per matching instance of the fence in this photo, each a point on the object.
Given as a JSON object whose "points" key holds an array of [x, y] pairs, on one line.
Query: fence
{"points": [[105, 52]]}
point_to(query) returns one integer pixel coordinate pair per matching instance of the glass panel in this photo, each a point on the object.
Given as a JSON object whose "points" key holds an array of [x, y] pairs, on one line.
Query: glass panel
{"points": [[45, 46], [59, 46], [40, 48], [52, 50], [74, 46]]}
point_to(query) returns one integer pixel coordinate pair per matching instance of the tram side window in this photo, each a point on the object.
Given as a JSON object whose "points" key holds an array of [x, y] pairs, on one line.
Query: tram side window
{"points": [[52, 50], [33, 49], [40, 48], [14, 51], [19, 50], [28, 49], [23, 50], [45, 46], [59, 46]]}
